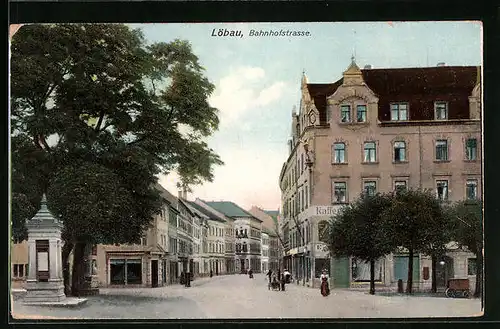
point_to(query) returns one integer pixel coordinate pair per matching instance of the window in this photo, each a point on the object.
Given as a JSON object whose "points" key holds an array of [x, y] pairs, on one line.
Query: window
{"points": [[361, 113], [399, 151], [340, 192], [345, 113], [442, 190], [399, 185], [471, 188], [370, 152], [144, 241], [370, 187], [19, 270], [442, 150], [441, 110], [399, 112], [471, 149], [301, 196], [471, 266], [339, 153], [306, 196]]}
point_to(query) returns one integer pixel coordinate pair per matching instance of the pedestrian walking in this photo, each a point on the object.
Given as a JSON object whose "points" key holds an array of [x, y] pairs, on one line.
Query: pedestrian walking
{"points": [[188, 279], [279, 277], [282, 281], [325, 286], [182, 278], [211, 273], [269, 275]]}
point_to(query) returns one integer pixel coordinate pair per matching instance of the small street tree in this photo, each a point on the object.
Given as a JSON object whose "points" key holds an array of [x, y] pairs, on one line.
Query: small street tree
{"points": [[467, 221], [413, 222], [96, 115], [357, 231]]}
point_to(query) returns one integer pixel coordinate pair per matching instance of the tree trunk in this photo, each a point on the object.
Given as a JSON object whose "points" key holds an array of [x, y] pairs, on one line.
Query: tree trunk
{"points": [[409, 283], [78, 273], [372, 277], [434, 274], [479, 275], [66, 251]]}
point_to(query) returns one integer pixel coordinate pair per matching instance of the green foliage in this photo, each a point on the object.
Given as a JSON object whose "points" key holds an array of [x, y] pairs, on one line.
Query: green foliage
{"points": [[358, 230], [415, 220], [466, 218], [96, 115]]}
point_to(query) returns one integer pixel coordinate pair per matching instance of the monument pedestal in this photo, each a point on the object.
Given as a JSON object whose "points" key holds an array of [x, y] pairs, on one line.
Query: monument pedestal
{"points": [[45, 285], [51, 291]]}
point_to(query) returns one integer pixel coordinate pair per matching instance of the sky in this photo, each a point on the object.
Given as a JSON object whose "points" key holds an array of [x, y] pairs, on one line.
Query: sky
{"points": [[257, 83]]}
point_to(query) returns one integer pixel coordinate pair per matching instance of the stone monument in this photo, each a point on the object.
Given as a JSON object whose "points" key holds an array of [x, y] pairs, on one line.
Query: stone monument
{"points": [[45, 284]]}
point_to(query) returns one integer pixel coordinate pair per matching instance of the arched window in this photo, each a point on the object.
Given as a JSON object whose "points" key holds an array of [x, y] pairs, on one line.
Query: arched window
{"points": [[323, 230]]}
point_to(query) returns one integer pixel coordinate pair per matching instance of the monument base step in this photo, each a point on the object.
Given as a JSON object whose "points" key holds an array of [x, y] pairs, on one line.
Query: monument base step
{"points": [[89, 292], [66, 302]]}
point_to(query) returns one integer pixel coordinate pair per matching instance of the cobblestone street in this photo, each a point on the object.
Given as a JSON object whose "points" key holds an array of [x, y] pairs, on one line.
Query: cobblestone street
{"points": [[237, 296]]}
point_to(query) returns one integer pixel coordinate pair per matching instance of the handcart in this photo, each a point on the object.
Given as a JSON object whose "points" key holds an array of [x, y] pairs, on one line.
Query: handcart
{"points": [[457, 288]]}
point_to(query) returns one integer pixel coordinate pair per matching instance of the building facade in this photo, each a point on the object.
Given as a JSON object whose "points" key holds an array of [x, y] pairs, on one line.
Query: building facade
{"points": [[264, 256], [247, 233], [271, 237], [377, 130], [148, 264]]}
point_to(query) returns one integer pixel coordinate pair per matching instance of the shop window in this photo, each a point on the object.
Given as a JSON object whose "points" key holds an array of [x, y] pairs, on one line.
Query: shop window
{"points": [[117, 270], [134, 271]]}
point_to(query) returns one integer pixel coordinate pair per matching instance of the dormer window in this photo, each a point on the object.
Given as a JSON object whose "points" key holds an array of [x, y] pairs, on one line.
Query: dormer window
{"points": [[345, 113], [399, 112], [361, 113], [441, 110]]}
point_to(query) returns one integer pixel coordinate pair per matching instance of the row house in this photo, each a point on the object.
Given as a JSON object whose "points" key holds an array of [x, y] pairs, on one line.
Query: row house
{"points": [[271, 239], [146, 264], [379, 130], [247, 234], [217, 241]]}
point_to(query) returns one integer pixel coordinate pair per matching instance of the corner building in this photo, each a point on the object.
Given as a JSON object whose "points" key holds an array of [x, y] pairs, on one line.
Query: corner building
{"points": [[377, 130]]}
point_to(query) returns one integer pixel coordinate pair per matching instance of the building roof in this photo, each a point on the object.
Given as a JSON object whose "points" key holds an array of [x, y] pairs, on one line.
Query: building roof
{"points": [[420, 87], [268, 231], [229, 209], [167, 196], [206, 212], [274, 215]]}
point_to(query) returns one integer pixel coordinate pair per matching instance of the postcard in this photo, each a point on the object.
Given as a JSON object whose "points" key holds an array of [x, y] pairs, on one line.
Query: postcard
{"points": [[185, 171]]}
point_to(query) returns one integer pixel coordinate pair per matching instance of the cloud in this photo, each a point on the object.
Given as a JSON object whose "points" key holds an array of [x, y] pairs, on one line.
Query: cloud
{"points": [[249, 177], [243, 90]]}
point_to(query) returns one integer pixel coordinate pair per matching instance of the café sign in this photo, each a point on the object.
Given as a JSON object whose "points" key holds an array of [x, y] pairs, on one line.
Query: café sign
{"points": [[326, 210]]}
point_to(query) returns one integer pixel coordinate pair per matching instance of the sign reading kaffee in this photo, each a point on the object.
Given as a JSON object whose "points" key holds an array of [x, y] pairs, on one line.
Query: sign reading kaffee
{"points": [[326, 210]]}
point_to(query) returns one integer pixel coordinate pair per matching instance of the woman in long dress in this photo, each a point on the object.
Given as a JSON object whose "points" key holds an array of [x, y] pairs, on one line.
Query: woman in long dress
{"points": [[325, 286]]}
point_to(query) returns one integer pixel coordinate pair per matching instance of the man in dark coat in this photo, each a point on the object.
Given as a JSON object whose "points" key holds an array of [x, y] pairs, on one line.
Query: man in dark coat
{"points": [[269, 274], [283, 282], [279, 277]]}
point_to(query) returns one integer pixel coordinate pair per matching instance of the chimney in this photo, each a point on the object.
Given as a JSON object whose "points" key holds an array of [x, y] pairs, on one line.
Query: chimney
{"points": [[440, 64], [179, 194], [184, 194], [367, 67]]}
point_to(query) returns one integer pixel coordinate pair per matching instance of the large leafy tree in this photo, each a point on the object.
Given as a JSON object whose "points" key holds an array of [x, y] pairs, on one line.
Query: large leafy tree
{"points": [[467, 222], [414, 222], [357, 230], [96, 115]]}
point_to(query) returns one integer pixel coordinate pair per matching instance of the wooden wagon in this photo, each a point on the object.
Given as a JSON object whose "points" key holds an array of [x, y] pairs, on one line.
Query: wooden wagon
{"points": [[457, 288]]}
